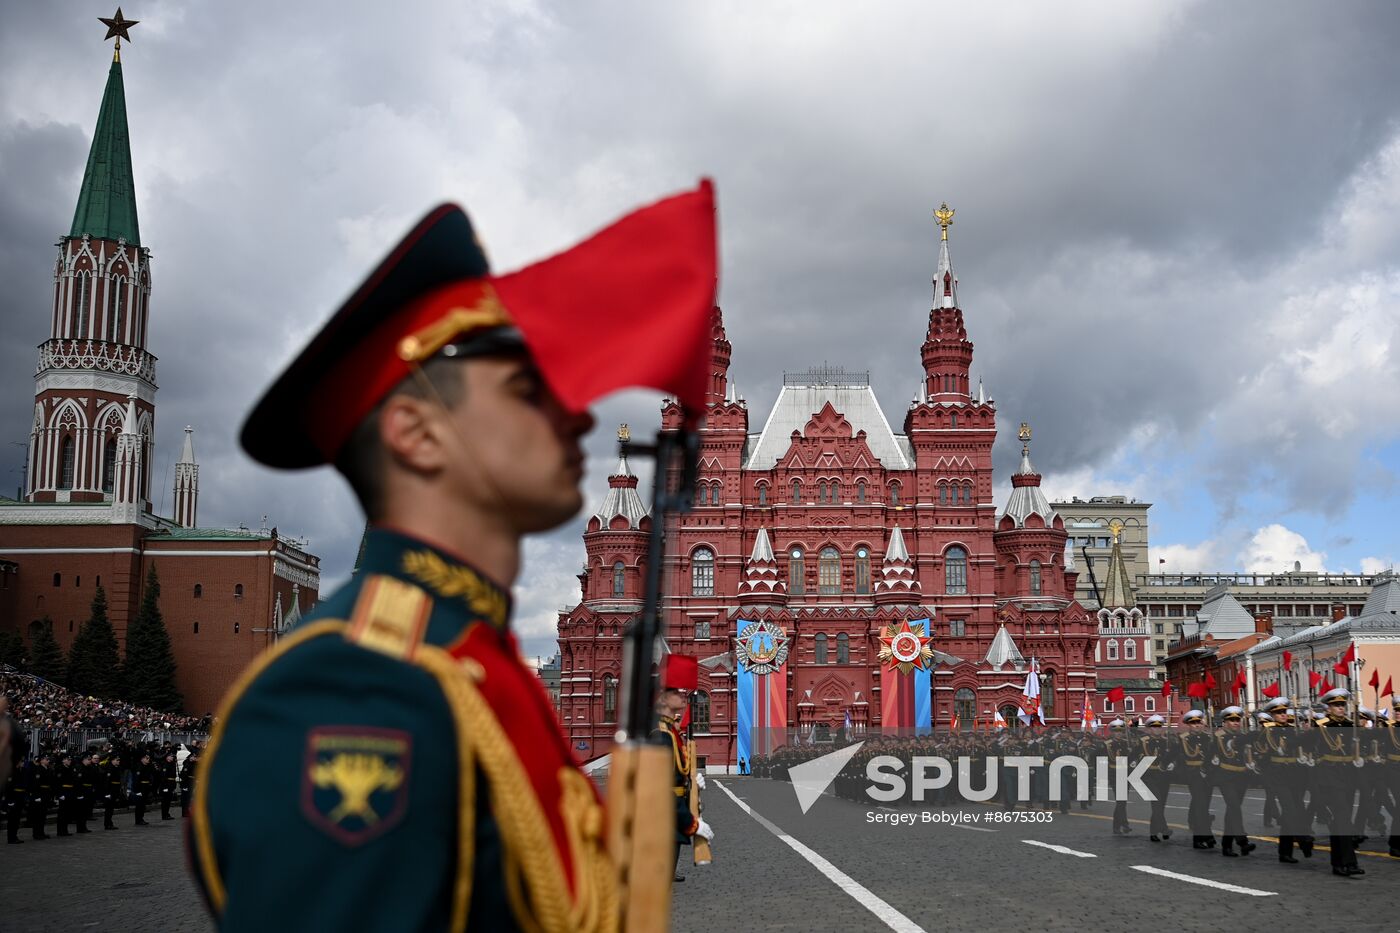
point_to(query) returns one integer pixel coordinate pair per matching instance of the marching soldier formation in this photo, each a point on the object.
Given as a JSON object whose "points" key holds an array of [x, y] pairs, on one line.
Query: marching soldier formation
{"points": [[1314, 769], [68, 787]]}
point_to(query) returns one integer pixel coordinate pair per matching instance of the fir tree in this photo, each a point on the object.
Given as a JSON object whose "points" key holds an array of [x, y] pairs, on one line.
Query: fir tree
{"points": [[94, 665], [12, 651], [150, 663], [46, 657]]}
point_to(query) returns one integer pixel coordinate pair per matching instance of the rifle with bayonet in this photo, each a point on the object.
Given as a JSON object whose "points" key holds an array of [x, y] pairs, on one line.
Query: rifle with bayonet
{"points": [[641, 802]]}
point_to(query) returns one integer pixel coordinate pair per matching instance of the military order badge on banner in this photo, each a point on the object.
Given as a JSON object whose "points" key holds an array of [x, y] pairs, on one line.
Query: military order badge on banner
{"points": [[762, 649], [355, 782]]}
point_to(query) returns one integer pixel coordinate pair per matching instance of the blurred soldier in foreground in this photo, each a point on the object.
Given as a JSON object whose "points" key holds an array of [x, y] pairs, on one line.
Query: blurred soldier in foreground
{"points": [[391, 764]]}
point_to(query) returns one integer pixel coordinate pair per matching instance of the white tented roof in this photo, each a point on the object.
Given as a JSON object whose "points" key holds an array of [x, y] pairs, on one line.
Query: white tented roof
{"points": [[797, 404]]}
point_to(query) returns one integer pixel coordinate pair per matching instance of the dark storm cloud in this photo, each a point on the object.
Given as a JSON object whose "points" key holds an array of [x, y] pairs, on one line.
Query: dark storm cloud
{"points": [[1162, 208]]}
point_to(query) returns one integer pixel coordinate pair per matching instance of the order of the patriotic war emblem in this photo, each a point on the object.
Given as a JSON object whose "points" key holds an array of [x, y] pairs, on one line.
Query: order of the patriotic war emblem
{"points": [[762, 647], [906, 647], [355, 781]]}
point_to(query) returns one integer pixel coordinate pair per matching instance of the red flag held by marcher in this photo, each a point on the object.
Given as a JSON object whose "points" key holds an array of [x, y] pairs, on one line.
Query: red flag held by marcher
{"points": [[1314, 678], [1350, 655], [1210, 681], [1271, 691], [1375, 680], [1196, 690], [1325, 686], [1240, 681], [1389, 690], [1116, 695], [1287, 660], [1166, 688]]}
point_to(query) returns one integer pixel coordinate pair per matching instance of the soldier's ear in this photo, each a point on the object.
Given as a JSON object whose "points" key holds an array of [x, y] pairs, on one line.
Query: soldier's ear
{"points": [[412, 433]]}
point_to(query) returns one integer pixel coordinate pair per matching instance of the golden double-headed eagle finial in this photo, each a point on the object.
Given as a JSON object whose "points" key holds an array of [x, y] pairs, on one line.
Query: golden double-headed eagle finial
{"points": [[944, 216], [624, 433], [1115, 527]]}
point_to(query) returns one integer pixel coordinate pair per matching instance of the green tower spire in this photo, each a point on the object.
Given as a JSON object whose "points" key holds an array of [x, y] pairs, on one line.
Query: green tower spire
{"points": [[107, 201]]}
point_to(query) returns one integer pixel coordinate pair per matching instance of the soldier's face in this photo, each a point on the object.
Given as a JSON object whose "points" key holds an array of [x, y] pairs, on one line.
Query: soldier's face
{"points": [[524, 460]]}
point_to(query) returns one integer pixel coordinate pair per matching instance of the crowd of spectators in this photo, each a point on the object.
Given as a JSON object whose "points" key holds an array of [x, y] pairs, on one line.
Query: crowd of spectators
{"points": [[37, 704]]}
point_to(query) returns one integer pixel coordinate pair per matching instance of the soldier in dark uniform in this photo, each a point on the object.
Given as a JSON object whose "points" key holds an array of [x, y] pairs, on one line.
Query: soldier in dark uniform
{"points": [[679, 677], [1335, 751], [65, 779], [144, 780], [1155, 743], [1193, 745], [168, 781], [392, 764], [1390, 750], [1276, 749], [1230, 760], [188, 774], [113, 786], [89, 777], [1119, 745], [16, 799], [41, 793]]}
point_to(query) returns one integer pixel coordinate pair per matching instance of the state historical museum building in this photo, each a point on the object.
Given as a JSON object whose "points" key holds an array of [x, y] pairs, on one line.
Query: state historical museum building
{"points": [[815, 539]]}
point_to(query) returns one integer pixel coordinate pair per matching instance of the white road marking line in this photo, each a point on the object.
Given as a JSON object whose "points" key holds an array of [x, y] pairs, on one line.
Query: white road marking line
{"points": [[1061, 849], [975, 829], [886, 809], [1254, 892], [863, 896]]}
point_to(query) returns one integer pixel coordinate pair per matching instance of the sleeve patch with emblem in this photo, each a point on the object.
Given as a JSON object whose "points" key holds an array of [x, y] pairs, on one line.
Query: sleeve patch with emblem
{"points": [[355, 781]]}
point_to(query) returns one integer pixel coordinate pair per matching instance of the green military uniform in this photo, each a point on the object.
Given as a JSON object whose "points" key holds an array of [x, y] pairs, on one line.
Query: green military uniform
{"points": [[360, 750]]}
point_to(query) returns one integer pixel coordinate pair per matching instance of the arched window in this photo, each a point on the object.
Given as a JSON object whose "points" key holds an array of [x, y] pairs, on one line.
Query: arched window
{"points": [[116, 308], [762, 493], [1047, 695], [965, 707], [829, 572], [109, 463], [862, 570], [1150, 704], [238, 591], [199, 591], [66, 463], [833, 492], [1035, 578], [1111, 651], [821, 491], [236, 627], [797, 492], [702, 572], [967, 493], [1129, 650], [942, 493], [954, 422], [860, 492], [82, 297], [700, 711], [797, 572], [955, 571], [609, 698], [714, 494], [843, 648], [819, 651], [57, 580], [894, 493], [1128, 704], [619, 578]]}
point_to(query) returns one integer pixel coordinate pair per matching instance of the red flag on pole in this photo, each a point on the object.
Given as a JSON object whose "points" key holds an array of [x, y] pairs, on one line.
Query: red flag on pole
{"points": [[1325, 685], [1375, 682], [1340, 669], [1210, 681], [1196, 690], [1314, 678], [1116, 695], [1389, 691], [1271, 691], [1240, 682], [1166, 688], [1350, 655], [1287, 659]]}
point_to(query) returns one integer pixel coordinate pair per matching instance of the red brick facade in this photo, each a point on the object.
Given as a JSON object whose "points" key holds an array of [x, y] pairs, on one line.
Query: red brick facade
{"points": [[827, 483]]}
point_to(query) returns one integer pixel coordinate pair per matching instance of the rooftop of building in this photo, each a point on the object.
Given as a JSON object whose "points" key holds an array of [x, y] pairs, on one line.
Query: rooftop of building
{"points": [[805, 394]]}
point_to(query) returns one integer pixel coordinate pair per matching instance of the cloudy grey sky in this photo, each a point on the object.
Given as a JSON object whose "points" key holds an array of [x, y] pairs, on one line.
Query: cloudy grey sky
{"points": [[1177, 229]]}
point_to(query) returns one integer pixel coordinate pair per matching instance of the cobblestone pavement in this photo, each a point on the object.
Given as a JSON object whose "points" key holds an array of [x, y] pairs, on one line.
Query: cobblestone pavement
{"points": [[1067, 874], [931, 876], [130, 879]]}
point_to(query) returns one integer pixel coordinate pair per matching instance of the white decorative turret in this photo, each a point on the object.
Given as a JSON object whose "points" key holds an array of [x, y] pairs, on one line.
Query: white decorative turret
{"points": [[1027, 499], [1003, 651], [127, 503], [897, 583], [761, 585], [622, 499], [186, 483]]}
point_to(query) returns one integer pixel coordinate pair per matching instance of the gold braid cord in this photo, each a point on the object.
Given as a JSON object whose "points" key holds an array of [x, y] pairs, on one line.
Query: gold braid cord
{"points": [[454, 580], [536, 881]]}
